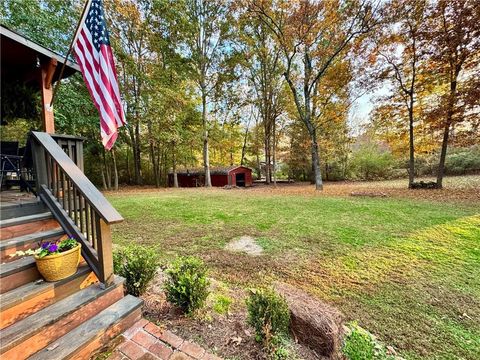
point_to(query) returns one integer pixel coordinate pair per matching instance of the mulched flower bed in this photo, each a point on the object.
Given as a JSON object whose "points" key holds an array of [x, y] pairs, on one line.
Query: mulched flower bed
{"points": [[227, 336]]}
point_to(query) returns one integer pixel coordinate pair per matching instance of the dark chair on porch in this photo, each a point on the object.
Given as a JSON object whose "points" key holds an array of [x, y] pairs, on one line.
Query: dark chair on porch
{"points": [[16, 166], [9, 161]]}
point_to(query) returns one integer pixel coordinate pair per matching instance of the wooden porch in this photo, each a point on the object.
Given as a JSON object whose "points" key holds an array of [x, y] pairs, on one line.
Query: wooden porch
{"points": [[74, 317], [70, 318]]}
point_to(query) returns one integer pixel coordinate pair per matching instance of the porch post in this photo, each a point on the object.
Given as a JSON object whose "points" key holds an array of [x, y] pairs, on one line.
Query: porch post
{"points": [[46, 76]]}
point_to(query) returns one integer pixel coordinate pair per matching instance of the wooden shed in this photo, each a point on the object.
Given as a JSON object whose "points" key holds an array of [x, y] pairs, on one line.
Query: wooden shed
{"points": [[221, 176]]}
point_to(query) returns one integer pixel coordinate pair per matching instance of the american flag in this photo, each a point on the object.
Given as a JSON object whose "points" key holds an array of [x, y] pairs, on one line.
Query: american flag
{"points": [[94, 56]]}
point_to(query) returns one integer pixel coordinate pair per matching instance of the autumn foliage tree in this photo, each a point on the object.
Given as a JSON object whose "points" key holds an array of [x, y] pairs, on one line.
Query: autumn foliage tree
{"points": [[399, 50], [454, 43], [312, 36], [130, 33], [257, 82], [205, 39], [261, 58]]}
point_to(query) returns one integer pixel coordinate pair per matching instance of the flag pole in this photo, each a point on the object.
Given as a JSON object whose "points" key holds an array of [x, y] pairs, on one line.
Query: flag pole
{"points": [[82, 18]]}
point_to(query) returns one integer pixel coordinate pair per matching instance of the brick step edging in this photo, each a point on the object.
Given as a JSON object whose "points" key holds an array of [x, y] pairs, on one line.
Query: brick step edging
{"points": [[146, 341]]}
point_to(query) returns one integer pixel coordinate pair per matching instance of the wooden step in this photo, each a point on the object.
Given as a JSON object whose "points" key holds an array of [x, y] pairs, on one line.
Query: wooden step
{"points": [[81, 342], [23, 301], [25, 225], [23, 209], [17, 273], [25, 219], [36, 331], [22, 243]]}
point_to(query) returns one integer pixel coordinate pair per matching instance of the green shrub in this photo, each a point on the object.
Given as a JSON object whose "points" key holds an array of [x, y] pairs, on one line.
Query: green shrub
{"points": [[461, 161], [268, 313], [187, 283], [222, 304], [138, 265], [359, 344], [370, 162]]}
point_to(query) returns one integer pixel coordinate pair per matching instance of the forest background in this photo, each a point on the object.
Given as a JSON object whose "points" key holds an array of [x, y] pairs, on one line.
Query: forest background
{"points": [[302, 90]]}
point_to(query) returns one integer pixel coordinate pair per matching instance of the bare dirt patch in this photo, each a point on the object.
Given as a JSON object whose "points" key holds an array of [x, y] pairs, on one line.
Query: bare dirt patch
{"points": [[245, 244]]}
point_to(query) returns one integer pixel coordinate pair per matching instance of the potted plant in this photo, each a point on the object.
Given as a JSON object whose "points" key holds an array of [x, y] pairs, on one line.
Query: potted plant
{"points": [[56, 260]]}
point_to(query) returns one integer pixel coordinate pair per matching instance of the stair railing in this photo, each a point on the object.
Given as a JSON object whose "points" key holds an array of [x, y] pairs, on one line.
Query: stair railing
{"points": [[79, 207]]}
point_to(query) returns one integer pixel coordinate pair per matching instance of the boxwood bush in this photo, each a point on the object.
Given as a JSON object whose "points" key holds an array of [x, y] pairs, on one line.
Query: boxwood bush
{"points": [[138, 265], [187, 283], [268, 313]]}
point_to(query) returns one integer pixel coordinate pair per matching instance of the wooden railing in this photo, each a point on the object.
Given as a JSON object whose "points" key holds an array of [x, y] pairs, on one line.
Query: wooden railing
{"points": [[76, 203], [73, 147]]}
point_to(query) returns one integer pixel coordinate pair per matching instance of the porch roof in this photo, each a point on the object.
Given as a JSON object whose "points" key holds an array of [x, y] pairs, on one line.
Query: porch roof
{"points": [[21, 58]]}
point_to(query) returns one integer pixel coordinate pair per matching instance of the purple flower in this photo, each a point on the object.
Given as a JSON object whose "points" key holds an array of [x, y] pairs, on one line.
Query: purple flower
{"points": [[53, 247], [45, 245]]}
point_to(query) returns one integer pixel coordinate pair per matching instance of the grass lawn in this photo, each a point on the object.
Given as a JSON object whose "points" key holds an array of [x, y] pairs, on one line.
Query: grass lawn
{"points": [[408, 270]]}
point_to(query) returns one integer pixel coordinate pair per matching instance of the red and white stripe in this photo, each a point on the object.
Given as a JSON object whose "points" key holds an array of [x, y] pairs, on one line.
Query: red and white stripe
{"points": [[98, 69]]}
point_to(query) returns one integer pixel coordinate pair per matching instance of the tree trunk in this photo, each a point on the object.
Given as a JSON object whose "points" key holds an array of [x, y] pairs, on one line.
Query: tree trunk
{"points": [[109, 176], [104, 182], [267, 157], [165, 168], [137, 154], [153, 157], [107, 170], [206, 160], [115, 171], [259, 168], [175, 179], [305, 112], [443, 155], [274, 148], [316, 161], [411, 163], [446, 131], [174, 165], [244, 147], [129, 176], [159, 176]]}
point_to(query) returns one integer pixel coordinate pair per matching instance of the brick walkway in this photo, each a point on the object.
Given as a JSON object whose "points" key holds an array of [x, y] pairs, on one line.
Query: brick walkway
{"points": [[146, 341]]}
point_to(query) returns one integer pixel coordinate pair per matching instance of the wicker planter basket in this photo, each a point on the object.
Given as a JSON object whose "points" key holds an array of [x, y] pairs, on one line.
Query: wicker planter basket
{"points": [[59, 266]]}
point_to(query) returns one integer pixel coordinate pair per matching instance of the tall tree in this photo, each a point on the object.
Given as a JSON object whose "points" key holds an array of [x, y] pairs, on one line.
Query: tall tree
{"points": [[130, 38], [48, 22], [398, 45], [262, 61], [206, 40], [455, 46], [313, 35]]}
